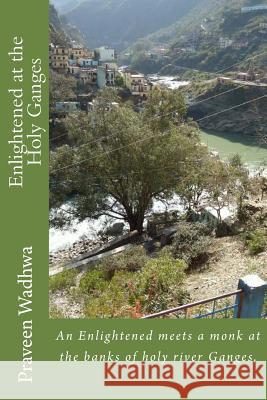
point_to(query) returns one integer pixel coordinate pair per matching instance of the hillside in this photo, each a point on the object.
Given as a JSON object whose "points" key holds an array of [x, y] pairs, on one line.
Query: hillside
{"points": [[61, 32], [120, 23], [212, 35], [251, 121], [224, 36]]}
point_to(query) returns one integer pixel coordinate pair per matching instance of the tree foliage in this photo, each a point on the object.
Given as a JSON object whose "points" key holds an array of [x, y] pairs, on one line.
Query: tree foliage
{"points": [[121, 161], [61, 88]]}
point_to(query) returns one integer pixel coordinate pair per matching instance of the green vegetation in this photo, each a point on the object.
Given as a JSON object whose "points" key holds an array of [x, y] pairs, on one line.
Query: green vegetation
{"points": [[240, 120], [256, 241], [156, 286], [61, 88], [131, 178], [55, 313], [191, 243], [64, 280], [224, 20], [132, 260]]}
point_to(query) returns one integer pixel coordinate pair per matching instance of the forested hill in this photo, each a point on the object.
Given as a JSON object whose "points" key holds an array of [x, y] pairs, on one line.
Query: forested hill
{"points": [[119, 23]]}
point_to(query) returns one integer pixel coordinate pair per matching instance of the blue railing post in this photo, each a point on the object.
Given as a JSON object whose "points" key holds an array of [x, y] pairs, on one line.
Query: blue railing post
{"points": [[250, 301]]}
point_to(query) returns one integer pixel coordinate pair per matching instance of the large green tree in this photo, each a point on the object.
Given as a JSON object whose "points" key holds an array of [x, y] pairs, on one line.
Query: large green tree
{"points": [[121, 161]]}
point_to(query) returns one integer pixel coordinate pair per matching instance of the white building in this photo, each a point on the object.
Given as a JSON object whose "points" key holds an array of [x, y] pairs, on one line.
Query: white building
{"points": [[105, 53], [225, 42]]}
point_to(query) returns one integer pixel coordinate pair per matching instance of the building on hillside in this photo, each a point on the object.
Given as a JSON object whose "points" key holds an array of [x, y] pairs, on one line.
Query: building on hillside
{"points": [[106, 76], [225, 42], [240, 44], [58, 58], [94, 105], [88, 76], [105, 53], [85, 101], [136, 83], [74, 70], [259, 7], [72, 62], [80, 52], [87, 62], [246, 76], [67, 107], [224, 80]]}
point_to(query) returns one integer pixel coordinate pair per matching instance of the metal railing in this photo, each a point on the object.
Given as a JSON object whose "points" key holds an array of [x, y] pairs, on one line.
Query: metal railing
{"points": [[228, 305]]}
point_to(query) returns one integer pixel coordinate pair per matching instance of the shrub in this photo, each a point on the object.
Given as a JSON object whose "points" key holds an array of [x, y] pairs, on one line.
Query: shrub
{"points": [[93, 282], [256, 241], [131, 260], [129, 294], [115, 300], [62, 281], [160, 284], [191, 243]]}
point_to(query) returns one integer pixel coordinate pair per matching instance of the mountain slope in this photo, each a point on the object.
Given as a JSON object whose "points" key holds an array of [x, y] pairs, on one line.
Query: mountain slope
{"points": [[203, 29], [194, 40], [61, 32], [119, 23]]}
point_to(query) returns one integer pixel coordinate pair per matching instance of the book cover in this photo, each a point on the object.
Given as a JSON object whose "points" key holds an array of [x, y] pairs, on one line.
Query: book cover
{"points": [[133, 197]]}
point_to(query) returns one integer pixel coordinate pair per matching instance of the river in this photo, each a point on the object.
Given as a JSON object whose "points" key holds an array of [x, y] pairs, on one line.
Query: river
{"points": [[226, 144]]}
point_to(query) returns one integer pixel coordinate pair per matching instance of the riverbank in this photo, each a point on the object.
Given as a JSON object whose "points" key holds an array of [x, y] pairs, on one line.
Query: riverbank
{"points": [[75, 250], [219, 102]]}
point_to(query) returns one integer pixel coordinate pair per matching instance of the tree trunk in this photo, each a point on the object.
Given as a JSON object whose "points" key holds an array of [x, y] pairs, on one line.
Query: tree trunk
{"points": [[136, 222]]}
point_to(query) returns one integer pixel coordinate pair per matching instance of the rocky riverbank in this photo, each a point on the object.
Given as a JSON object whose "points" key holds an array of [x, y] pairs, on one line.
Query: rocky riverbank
{"points": [[77, 249], [248, 119]]}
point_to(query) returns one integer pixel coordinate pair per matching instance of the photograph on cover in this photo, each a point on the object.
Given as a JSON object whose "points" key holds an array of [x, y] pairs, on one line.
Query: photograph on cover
{"points": [[158, 150]]}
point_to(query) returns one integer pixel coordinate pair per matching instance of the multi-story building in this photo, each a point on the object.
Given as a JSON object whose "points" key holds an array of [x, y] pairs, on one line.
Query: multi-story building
{"points": [[225, 42], [80, 52], [58, 58], [74, 70], [105, 53], [87, 62], [136, 83], [106, 76], [88, 76]]}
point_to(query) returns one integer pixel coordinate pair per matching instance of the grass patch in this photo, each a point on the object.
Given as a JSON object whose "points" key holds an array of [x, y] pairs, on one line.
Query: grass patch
{"points": [[256, 242], [62, 281], [55, 313]]}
